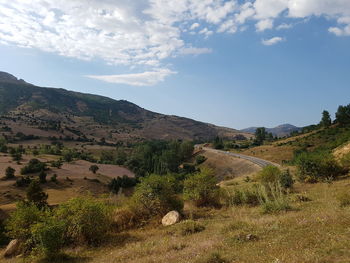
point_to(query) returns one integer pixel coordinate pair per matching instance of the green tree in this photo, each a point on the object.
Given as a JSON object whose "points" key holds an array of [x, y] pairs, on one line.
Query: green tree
{"points": [[218, 143], [36, 195], [342, 116], [93, 168], [202, 189], [42, 177], [260, 135], [326, 120], [10, 173]]}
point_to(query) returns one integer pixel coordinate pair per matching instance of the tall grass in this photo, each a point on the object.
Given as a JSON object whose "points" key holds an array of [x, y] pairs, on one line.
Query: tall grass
{"points": [[273, 198]]}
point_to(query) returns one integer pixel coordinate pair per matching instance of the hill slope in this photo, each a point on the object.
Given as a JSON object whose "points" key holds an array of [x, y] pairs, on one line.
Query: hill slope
{"points": [[58, 112]]}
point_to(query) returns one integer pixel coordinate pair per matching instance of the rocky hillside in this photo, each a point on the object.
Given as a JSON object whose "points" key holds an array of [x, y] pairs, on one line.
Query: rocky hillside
{"points": [[47, 112]]}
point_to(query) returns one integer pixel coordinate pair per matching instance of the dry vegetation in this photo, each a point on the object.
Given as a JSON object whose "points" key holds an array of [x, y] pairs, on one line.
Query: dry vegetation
{"points": [[74, 179], [227, 167], [313, 231]]}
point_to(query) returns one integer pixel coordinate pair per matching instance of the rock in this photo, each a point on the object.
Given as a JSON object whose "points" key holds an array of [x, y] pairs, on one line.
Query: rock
{"points": [[250, 237], [171, 218], [12, 248]]}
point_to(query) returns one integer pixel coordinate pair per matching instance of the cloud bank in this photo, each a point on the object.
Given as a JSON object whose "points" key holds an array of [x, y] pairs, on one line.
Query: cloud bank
{"points": [[148, 78], [144, 33]]}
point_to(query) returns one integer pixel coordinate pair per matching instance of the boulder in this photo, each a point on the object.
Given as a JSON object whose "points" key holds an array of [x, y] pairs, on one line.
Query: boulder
{"points": [[12, 248], [171, 218]]}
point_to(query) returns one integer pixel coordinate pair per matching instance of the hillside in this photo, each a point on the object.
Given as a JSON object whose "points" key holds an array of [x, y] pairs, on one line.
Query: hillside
{"points": [[48, 112], [279, 131]]}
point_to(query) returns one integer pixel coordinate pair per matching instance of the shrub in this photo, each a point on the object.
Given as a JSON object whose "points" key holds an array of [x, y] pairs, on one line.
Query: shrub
{"points": [[23, 181], [153, 196], [93, 168], [121, 182], [34, 166], [273, 199], [36, 195], [48, 236], [87, 220], [10, 173], [317, 166], [4, 240], [19, 223], [247, 196], [201, 188], [286, 179], [200, 159], [57, 164], [54, 178], [42, 177], [344, 199], [189, 227], [269, 174]]}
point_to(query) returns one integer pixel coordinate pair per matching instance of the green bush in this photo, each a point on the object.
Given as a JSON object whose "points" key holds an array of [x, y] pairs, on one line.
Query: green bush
{"points": [[36, 195], [155, 195], [48, 236], [10, 173], [19, 224], [34, 166], [202, 189], [269, 174], [247, 196], [87, 220], [189, 227], [272, 175], [93, 168], [42, 177], [314, 167], [4, 240], [286, 179]]}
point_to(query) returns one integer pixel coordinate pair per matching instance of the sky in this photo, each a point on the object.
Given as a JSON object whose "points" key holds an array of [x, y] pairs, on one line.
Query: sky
{"points": [[232, 63]]}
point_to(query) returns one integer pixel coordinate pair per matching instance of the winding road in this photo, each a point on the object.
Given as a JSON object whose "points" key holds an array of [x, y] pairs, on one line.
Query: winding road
{"points": [[258, 161]]}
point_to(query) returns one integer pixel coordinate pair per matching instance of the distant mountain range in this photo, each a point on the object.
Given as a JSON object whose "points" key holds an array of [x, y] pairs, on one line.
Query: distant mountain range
{"points": [[49, 112], [279, 131]]}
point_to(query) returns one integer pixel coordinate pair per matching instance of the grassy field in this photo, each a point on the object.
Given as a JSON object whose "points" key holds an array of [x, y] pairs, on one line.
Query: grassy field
{"points": [[313, 231]]}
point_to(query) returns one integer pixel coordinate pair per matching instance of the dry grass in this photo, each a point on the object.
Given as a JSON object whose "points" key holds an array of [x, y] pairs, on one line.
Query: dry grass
{"points": [[316, 231], [81, 180], [227, 167], [273, 153]]}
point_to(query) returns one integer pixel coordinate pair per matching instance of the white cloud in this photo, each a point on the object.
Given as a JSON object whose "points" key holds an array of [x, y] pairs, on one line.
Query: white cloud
{"points": [[195, 51], [148, 78], [284, 26], [264, 24], [194, 26], [205, 31], [272, 41], [340, 31]]}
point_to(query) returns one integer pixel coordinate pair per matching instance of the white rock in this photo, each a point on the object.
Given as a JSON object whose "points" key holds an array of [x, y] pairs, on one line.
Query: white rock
{"points": [[171, 218]]}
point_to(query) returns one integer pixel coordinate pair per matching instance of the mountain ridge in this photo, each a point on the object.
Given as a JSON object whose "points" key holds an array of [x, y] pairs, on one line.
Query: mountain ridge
{"points": [[94, 116], [279, 131]]}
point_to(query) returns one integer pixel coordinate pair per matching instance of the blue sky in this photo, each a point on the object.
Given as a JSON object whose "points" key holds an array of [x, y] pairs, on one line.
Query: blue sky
{"points": [[231, 63]]}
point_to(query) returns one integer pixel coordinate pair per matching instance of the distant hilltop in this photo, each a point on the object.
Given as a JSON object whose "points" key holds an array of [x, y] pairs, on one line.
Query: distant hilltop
{"points": [[279, 131]]}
